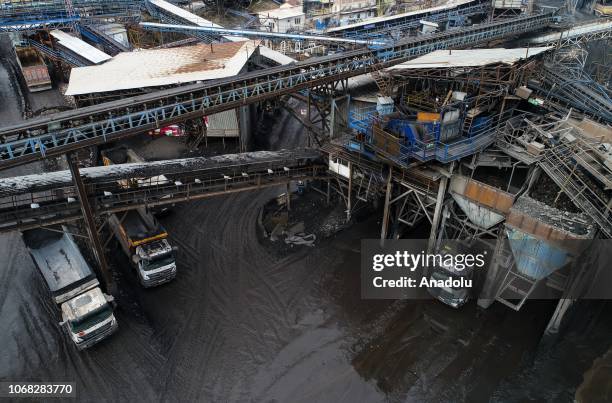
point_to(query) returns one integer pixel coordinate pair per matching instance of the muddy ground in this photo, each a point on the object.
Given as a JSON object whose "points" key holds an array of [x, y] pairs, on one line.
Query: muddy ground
{"points": [[241, 323]]}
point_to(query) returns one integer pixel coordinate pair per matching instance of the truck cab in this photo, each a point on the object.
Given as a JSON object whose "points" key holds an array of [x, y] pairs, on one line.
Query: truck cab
{"points": [[155, 262], [144, 241], [88, 318], [87, 313]]}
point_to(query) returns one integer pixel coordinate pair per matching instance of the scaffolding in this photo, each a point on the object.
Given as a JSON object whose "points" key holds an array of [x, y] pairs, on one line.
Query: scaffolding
{"points": [[578, 165]]}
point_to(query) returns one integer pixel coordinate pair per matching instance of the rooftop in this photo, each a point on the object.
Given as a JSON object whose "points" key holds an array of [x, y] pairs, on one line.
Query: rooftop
{"points": [[80, 47], [468, 58], [158, 67], [283, 12]]}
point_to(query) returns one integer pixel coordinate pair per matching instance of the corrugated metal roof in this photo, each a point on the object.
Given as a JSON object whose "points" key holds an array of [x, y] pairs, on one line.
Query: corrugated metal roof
{"points": [[574, 31], [468, 58], [81, 48], [450, 4], [275, 56], [157, 67], [223, 124]]}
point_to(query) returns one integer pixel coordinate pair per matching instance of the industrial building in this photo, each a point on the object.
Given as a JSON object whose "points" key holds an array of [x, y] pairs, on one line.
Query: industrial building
{"points": [[306, 200]]}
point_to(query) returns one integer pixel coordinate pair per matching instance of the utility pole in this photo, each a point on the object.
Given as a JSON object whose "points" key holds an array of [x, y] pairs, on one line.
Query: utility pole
{"points": [[92, 231]]}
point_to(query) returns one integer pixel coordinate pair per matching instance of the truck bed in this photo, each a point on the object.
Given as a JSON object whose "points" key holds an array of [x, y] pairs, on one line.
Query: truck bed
{"points": [[58, 259], [34, 69], [138, 227]]}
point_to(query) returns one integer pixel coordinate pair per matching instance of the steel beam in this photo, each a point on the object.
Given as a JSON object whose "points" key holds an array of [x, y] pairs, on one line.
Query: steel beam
{"points": [[90, 223], [124, 187]]}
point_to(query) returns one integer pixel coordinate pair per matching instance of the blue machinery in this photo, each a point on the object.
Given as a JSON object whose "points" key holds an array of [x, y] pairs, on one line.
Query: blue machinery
{"points": [[96, 35], [401, 139], [71, 130]]}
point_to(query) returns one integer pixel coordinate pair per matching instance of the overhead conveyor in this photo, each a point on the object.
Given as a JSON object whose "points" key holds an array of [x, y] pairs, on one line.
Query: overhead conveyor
{"points": [[51, 198], [24, 15], [400, 23], [71, 130], [190, 29]]}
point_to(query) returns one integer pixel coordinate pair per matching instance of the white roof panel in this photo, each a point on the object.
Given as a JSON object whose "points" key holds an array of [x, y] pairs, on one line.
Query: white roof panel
{"points": [[574, 31], [275, 56], [158, 67], [81, 48], [468, 58]]}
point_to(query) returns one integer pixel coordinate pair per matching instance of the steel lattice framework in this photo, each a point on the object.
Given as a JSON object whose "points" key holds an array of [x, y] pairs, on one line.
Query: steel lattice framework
{"points": [[392, 26], [39, 200], [24, 15], [66, 131]]}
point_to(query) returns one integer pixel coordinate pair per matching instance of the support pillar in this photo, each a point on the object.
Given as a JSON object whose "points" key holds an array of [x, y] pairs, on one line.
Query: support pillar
{"points": [[288, 196], [435, 221], [244, 120], [385, 221], [90, 224], [555, 321], [492, 281], [535, 174], [349, 199]]}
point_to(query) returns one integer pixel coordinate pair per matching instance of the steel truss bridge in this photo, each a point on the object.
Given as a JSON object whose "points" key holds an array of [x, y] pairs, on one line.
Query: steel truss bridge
{"points": [[23, 15], [51, 198], [66, 131], [389, 26]]}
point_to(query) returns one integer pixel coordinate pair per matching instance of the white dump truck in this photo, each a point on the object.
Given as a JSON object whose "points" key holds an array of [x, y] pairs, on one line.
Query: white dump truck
{"points": [[87, 313], [144, 241]]}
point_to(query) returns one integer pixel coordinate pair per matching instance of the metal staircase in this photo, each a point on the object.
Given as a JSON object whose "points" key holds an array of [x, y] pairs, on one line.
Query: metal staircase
{"points": [[590, 155], [57, 54], [382, 82], [560, 165]]}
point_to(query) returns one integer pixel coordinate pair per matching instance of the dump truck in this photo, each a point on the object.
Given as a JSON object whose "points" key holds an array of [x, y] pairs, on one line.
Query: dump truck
{"points": [[145, 242], [33, 68], [87, 312]]}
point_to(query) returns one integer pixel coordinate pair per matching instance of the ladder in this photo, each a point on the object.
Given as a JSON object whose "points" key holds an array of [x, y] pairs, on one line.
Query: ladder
{"points": [[515, 287], [593, 160], [469, 119], [382, 82]]}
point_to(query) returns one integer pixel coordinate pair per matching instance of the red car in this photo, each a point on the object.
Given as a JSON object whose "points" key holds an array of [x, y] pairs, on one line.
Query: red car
{"points": [[170, 131]]}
